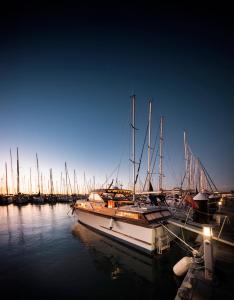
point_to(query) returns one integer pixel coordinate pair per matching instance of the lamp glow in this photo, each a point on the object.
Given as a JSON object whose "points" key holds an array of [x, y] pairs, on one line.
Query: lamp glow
{"points": [[207, 231]]}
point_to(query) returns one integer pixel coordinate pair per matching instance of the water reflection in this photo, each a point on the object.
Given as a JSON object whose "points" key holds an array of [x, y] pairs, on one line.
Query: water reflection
{"points": [[118, 260], [8, 222], [38, 252], [20, 224], [20, 220]]}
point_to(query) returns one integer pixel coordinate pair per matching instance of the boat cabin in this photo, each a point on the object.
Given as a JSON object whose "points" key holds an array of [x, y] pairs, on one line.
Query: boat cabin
{"points": [[119, 204]]}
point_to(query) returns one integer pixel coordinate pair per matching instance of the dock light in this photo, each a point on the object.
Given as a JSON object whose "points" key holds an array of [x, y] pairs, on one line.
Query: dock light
{"points": [[220, 203], [207, 231]]}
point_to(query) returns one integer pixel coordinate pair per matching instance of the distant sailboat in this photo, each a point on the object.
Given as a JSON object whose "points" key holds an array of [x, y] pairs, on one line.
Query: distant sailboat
{"points": [[6, 199], [38, 199], [19, 199]]}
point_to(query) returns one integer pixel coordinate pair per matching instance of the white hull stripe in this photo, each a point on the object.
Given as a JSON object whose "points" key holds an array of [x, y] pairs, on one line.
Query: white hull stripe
{"points": [[118, 232]]}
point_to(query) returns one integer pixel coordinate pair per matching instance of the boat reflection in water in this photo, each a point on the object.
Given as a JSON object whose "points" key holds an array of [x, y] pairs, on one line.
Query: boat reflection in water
{"points": [[122, 262]]}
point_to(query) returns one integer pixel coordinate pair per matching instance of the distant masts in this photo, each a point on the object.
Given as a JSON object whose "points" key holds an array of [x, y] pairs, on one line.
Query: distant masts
{"points": [[66, 178], [38, 175], [51, 183], [68, 181], [42, 185], [30, 181], [12, 175], [74, 182]]}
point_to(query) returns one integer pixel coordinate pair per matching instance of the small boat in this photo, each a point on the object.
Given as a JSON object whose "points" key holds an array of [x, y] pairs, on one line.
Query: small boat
{"points": [[113, 213], [21, 199], [5, 200], [38, 199]]}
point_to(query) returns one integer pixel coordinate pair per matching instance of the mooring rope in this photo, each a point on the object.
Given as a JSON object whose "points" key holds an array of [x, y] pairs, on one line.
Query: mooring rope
{"points": [[194, 251]]}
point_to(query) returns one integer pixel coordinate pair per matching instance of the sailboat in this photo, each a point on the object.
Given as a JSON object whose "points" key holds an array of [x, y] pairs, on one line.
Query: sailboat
{"points": [[19, 199], [6, 199], [115, 212], [38, 199]]}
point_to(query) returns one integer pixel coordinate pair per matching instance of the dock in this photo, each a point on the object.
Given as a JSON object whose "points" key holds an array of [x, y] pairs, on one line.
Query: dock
{"points": [[214, 255], [198, 228]]}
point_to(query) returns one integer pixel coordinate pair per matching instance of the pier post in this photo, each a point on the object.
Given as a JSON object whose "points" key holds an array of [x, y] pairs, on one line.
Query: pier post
{"points": [[208, 252]]}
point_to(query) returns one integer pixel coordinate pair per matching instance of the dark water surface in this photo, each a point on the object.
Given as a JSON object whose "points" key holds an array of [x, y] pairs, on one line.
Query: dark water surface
{"points": [[46, 254]]}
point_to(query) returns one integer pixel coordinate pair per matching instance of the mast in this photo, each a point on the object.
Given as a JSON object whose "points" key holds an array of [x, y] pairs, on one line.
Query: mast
{"points": [[18, 181], [187, 161], [38, 175], [74, 188], [85, 185], [51, 183], [149, 143], [12, 175], [61, 183], [42, 185], [161, 155], [133, 145], [6, 179], [66, 177], [30, 181]]}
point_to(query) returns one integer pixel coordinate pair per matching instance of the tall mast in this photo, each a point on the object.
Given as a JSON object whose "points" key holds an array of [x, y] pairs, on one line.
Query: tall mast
{"points": [[133, 145], [6, 179], [161, 155], [12, 175], [149, 143], [18, 181], [38, 175]]}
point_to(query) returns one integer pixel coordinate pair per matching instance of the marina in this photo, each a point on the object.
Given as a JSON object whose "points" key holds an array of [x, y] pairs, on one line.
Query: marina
{"points": [[116, 150], [138, 229]]}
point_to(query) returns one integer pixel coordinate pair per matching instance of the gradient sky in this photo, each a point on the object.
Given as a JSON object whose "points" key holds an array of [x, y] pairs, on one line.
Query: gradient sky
{"points": [[67, 73]]}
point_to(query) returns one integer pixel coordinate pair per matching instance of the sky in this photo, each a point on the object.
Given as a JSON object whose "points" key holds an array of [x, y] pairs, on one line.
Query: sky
{"points": [[67, 72]]}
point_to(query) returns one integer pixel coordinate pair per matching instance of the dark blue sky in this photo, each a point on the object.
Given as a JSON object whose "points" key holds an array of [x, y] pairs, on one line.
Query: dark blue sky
{"points": [[67, 72]]}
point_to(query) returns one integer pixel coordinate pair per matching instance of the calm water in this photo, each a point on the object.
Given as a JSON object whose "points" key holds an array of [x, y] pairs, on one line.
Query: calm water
{"points": [[46, 254]]}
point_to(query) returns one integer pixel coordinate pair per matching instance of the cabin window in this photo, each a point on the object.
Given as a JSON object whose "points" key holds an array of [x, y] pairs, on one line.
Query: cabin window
{"points": [[153, 216], [165, 213], [127, 214]]}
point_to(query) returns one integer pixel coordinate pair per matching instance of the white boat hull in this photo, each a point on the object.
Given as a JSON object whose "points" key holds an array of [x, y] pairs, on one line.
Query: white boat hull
{"points": [[146, 239]]}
